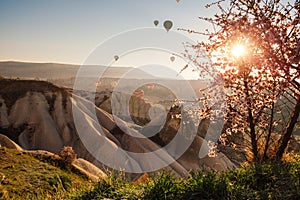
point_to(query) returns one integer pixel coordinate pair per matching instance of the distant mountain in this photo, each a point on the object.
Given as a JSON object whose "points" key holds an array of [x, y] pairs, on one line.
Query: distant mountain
{"points": [[65, 75], [64, 71]]}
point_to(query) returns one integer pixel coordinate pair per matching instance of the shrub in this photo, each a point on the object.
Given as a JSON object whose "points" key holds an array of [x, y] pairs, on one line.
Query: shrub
{"points": [[67, 155], [206, 186], [165, 186]]}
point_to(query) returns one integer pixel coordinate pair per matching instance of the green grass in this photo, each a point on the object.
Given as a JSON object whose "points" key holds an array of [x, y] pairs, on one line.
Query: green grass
{"points": [[25, 177], [266, 181]]}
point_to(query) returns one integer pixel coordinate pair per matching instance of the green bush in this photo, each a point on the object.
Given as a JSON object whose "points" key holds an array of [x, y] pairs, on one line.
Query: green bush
{"points": [[267, 181], [112, 188], [165, 186], [205, 186]]}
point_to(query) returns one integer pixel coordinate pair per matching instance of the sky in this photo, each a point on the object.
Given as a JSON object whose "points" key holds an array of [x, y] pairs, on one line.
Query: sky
{"points": [[78, 31], [68, 31]]}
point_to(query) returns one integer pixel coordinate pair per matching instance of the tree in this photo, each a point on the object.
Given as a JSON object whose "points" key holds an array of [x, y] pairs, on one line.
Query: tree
{"points": [[67, 155], [255, 47]]}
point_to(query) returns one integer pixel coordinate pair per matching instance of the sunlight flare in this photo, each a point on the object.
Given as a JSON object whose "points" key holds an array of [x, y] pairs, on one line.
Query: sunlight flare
{"points": [[238, 50]]}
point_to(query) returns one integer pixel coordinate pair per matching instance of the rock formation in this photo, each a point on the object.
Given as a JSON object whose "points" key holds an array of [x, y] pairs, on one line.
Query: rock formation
{"points": [[8, 143], [39, 115]]}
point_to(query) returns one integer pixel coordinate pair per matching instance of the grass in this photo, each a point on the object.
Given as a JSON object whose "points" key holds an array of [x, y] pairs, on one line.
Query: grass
{"points": [[25, 177], [265, 181]]}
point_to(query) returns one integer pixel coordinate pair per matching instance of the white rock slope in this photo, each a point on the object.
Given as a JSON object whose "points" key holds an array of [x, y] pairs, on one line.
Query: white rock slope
{"points": [[38, 115]]}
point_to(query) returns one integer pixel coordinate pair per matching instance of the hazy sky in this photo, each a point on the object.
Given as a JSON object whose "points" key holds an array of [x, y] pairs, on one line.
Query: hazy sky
{"points": [[67, 31]]}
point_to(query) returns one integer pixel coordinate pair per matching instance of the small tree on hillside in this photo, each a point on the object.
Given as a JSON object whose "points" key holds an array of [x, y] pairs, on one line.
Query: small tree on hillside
{"points": [[67, 155], [255, 46]]}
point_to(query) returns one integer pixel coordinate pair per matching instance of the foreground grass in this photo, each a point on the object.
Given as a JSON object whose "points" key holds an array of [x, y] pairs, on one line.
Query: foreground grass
{"points": [[266, 181], [25, 177]]}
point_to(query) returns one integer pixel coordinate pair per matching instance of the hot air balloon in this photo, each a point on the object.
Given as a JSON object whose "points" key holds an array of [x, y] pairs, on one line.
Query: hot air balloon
{"points": [[156, 22], [98, 83], [139, 93], [116, 57], [168, 25], [172, 58], [150, 86], [177, 1]]}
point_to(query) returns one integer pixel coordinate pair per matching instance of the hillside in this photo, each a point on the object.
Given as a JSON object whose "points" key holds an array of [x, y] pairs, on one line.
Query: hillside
{"points": [[50, 71], [25, 177], [40, 115], [65, 74]]}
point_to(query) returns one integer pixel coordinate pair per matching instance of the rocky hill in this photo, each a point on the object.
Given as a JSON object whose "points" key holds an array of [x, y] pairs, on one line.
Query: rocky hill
{"points": [[38, 115]]}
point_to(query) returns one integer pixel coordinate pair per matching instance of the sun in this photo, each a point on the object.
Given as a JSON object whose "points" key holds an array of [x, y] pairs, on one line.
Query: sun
{"points": [[238, 50]]}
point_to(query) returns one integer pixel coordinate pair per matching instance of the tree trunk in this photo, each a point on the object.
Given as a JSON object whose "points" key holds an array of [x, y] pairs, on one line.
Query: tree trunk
{"points": [[253, 136], [289, 130], [251, 123], [269, 133]]}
